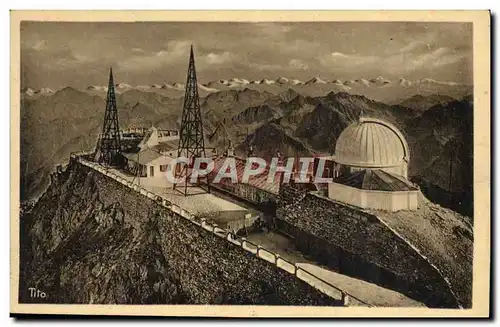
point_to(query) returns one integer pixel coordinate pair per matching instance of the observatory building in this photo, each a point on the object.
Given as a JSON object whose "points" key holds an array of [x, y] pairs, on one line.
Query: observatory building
{"points": [[372, 223], [371, 167]]}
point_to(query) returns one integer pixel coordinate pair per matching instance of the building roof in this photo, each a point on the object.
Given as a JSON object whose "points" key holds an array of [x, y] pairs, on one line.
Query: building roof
{"points": [[371, 143], [375, 180], [258, 181], [147, 136], [166, 146], [143, 157]]}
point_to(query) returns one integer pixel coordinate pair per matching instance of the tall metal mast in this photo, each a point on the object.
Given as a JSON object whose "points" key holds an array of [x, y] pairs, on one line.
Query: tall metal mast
{"points": [[108, 145], [191, 140]]}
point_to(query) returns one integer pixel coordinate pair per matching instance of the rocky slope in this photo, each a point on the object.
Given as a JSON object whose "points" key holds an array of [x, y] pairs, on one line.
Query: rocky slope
{"points": [[421, 103], [281, 141], [319, 121], [441, 139], [444, 237], [51, 126], [89, 239]]}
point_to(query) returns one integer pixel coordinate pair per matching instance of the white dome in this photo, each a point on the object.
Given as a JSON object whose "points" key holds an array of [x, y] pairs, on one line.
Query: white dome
{"points": [[371, 143]]}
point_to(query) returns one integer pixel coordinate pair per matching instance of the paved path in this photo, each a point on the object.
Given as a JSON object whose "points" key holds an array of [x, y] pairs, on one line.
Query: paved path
{"points": [[371, 293], [198, 202]]}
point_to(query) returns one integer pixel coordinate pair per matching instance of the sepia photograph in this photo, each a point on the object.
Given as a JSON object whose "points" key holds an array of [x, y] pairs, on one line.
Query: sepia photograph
{"points": [[320, 163]]}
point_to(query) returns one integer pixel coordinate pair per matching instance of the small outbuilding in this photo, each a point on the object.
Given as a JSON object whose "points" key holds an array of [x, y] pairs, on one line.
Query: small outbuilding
{"points": [[154, 137], [147, 163]]}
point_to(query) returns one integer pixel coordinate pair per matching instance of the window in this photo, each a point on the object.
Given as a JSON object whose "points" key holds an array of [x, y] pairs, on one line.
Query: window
{"points": [[141, 170], [151, 171], [163, 168]]}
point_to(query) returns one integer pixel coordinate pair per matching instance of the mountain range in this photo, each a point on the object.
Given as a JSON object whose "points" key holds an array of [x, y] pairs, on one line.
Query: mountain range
{"points": [[421, 103], [438, 127], [379, 88]]}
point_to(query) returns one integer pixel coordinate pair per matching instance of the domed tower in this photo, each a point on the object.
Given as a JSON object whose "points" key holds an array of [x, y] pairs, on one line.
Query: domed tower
{"points": [[371, 158], [372, 143]]}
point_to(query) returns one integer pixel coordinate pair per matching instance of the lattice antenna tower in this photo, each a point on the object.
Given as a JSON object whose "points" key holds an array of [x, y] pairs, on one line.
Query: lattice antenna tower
{"points": [[191, 140], [108, 150]]}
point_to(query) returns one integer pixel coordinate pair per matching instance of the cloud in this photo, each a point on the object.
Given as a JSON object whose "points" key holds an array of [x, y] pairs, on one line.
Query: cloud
{"points": [[69, 60], [53, 58], [404, 61], [399, 56], [415, 44], [218, 58], [34, 45], [337, 59], [296, 49], [174, 52], [338, 54], [40, 45], [437, 58], [298, 64], [298, 46], [293, 64], [263, 66]]}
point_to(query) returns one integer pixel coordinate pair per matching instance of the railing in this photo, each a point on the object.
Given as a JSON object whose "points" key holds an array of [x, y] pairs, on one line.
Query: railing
{"points": [[261, 252]]}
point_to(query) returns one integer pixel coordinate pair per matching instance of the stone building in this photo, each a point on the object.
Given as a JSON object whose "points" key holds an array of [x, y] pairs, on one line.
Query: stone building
{"points": [[148, 164]]}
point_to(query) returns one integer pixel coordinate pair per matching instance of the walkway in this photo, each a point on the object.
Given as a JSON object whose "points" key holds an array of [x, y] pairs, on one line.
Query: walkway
{"points": [[371, 293], [198, 202]]}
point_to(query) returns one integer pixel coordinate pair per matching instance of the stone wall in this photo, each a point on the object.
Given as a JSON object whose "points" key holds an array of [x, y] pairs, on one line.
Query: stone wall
{"points": [[290, 195], [91, 239], [358, 244], [216, 271]]}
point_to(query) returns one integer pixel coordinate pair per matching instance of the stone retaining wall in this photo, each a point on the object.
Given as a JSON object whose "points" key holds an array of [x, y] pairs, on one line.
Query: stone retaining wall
{"points": [[358, 244]]}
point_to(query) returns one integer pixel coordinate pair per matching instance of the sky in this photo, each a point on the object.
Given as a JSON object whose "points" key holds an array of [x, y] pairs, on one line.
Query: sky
{"points": [[59, 54]]}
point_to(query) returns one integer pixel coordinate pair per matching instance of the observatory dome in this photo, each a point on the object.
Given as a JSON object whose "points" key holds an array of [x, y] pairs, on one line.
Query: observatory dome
{"points": [[371, 143]]}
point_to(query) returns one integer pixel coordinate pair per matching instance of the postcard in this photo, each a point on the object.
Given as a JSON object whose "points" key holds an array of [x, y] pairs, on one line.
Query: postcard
{"points": [[250, 163]]}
